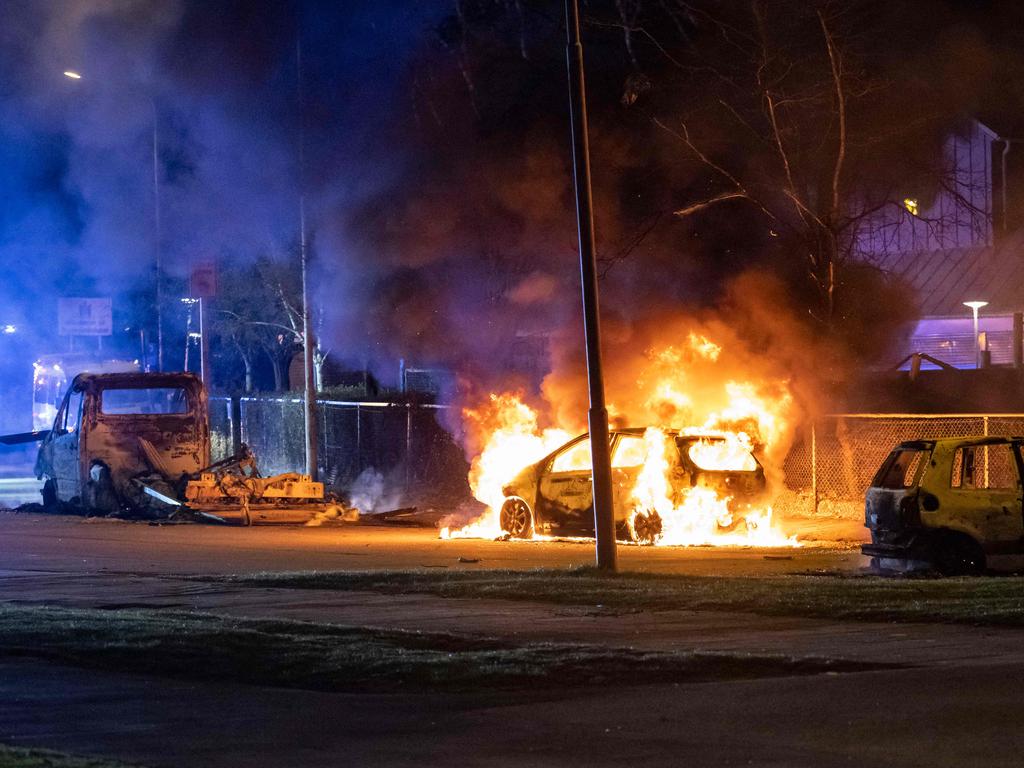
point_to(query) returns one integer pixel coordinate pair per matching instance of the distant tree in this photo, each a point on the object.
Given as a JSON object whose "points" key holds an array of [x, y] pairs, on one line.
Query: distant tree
{"points": [[725, 136], [254, 317]]}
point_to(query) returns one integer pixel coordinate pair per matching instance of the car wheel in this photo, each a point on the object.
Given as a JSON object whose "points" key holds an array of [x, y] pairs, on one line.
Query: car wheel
{"points": [[645, 526], [958, 555], [516, 518], [49, 492]]}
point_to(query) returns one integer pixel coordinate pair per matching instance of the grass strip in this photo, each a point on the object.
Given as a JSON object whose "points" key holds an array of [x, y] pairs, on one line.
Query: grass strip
{"points": [[979, 601], [295, 654], [18, 757]]}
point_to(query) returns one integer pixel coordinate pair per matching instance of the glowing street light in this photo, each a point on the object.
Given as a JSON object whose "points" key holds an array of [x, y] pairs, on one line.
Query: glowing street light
{"points": [[73, 75], [975, 306], [10, 328]]}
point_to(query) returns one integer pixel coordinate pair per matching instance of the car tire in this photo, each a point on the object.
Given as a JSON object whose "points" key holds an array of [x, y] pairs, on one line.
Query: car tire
{"points": [[49, 492], [516, 518], [956, 554], [645, 526]]}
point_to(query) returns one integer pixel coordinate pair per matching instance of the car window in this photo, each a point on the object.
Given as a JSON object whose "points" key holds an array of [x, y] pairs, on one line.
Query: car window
{"points": [[984, 467], [629, 452], [901, 469], [574, 458], [151, 400], [74, 412], [722, 456]]}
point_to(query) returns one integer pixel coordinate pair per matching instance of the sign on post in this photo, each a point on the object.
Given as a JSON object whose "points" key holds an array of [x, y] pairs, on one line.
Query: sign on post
{"points": [[84, 317], [202, 283]]}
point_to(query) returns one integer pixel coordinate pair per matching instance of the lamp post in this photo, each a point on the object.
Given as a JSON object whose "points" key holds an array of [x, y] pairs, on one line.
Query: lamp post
{"points": [[975, 306], [157, 246]]}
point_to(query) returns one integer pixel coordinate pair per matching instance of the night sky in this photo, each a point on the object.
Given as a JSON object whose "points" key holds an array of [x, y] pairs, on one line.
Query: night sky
{"points": [[437, 177]]}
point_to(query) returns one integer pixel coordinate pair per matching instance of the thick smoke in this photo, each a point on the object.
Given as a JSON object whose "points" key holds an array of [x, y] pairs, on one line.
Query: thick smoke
{"points": [[437, 172]]}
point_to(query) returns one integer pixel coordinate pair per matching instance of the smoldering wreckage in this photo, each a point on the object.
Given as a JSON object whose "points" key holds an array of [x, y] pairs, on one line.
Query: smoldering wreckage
{"points": [[137, 445]]}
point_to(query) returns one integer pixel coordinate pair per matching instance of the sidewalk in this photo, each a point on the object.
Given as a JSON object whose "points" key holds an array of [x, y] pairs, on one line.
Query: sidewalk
{"points": [[747, 633]]}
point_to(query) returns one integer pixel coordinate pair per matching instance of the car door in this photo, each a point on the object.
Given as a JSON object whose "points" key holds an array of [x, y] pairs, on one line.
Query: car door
{"points": [[565, 496], [986, 482], [64, 445], [628, 454]]}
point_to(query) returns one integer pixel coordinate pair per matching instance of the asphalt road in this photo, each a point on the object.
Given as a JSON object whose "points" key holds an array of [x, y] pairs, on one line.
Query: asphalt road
{"points": [[69, 544], [951, 700]]}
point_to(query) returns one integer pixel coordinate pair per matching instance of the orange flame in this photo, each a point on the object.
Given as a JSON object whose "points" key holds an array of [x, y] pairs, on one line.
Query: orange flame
{"points": [[680, 391]]}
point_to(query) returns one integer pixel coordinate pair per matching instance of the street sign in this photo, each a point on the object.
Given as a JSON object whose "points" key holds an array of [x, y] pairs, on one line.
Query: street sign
{"points": [[202, 283], [84, 317]]}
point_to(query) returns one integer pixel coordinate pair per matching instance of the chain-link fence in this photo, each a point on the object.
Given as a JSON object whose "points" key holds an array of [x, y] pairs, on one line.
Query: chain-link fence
{"points": [[405, 442], [826, 471], [833, 460]]}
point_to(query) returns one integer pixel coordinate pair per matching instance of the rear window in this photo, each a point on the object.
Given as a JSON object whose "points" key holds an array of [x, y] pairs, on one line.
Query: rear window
{"points": [[902, 469], [154, 400], [722, 456]]}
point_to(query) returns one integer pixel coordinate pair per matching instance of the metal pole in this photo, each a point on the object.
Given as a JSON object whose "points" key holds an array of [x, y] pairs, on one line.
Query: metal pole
{"points": [[408, 443], [604, 513], [309, 399], [814, 464], [204, 347], [157, 243], [977, 345]]}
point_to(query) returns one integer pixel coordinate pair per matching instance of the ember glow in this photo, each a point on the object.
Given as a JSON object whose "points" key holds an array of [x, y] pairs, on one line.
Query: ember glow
{"points": [[721, 426]]}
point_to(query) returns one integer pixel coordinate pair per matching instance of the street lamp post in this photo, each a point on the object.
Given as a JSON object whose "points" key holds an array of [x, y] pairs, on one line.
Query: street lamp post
{"points": [[157, 239], [975, 306]]}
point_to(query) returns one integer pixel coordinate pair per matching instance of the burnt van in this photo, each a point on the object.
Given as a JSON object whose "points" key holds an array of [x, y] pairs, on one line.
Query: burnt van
{"points": [[112, 429], [952, 504]]}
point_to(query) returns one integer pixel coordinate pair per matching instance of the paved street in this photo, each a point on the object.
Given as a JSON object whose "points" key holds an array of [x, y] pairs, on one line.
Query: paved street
{"points": [[948, 701], [72, 544]]}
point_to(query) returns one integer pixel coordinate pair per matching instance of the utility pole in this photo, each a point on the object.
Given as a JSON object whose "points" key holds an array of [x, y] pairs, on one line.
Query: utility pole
{"points": [[604, 514], [157, 243], [204, 347], [309, 400]]}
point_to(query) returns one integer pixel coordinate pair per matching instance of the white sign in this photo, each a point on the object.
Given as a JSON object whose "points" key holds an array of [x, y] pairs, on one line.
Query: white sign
{"points": [[84, 317]]}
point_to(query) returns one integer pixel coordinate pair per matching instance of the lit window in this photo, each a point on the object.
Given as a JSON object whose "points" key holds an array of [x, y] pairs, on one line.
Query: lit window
{"points": [[910, 204]]}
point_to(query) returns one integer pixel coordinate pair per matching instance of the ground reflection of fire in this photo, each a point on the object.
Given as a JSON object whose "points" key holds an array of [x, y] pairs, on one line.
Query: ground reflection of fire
{"points": [[730, 418]]}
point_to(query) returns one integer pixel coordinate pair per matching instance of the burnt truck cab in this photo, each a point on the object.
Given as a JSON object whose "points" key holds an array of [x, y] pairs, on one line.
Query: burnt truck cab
{"points": [[555, 495], [113, 429], [953, 504]]}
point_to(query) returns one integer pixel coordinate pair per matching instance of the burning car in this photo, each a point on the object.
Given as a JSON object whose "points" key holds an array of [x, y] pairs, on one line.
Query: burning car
{"points": [[654, 473], [953, 504]]}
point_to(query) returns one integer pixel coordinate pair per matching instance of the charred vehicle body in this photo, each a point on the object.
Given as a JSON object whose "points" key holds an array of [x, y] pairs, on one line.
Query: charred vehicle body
{"points": [[952, 504], [114, 429], [555, 495], [139, 443]]}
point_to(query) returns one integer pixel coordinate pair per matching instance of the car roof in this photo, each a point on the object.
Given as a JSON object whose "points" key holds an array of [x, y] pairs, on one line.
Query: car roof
{"points": [[668, 431], [973, 439]]}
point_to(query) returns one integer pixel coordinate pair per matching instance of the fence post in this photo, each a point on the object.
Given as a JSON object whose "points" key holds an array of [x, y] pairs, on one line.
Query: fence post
{"points": [[814, 463], [235, 419], [359, 442], [984, 431], [408, 442]]}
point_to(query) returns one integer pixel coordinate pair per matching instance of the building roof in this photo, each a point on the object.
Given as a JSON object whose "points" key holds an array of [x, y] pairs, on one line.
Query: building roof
{"points": [[943, 280]]}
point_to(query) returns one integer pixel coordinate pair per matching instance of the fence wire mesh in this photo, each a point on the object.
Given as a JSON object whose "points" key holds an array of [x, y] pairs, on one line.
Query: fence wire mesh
{"points": [[825, 473], [406, 443], [832, 462]]}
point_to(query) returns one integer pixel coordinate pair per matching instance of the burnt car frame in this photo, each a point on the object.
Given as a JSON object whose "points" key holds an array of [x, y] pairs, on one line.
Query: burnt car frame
{"points": [[952, 504], [114, 430], [555, 494]]}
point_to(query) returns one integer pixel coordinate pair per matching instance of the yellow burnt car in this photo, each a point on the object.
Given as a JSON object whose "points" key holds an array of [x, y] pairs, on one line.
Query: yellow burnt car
{"points": [[952, 504], [555, 495]]}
